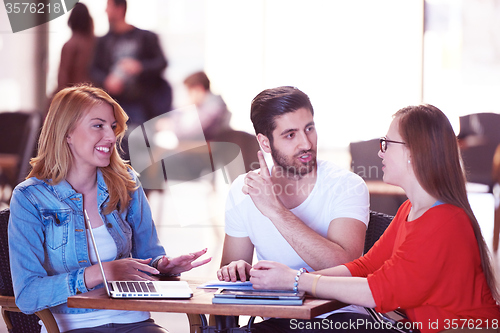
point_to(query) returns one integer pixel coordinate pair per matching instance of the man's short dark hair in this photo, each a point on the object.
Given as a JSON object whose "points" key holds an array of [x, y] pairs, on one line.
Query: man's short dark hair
{"points": [[271, 103], [198, 79], [121, 3]]}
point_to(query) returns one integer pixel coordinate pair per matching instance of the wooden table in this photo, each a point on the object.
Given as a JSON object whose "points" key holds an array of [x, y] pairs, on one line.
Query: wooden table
{"points": [[201, 303]]}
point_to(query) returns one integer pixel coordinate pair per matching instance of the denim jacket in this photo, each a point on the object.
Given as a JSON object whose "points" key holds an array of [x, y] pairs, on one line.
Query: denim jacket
{"points": [[48, 243]]}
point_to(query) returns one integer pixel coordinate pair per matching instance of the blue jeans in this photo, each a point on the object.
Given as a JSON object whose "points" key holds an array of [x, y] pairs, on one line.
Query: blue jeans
{"points": [[147, 326]]}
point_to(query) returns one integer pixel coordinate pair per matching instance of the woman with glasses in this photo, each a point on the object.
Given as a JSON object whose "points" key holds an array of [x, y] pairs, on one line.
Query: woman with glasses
{"points": [[432, 261]]}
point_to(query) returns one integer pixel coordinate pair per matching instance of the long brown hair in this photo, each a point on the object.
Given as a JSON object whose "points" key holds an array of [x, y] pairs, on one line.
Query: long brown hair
{"points": [[80, 20], [439, 169], [54, 157]]}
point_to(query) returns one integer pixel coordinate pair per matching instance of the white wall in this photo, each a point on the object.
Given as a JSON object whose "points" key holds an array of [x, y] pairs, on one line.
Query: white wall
{"points": [[359, 61]]}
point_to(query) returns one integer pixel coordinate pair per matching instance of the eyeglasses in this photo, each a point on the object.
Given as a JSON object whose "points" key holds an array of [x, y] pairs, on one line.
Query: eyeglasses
{"points": [[383, 143]]}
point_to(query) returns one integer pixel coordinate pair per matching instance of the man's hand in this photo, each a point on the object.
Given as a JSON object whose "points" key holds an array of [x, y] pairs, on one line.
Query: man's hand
{"points": [[260, 187], [236, 270]]}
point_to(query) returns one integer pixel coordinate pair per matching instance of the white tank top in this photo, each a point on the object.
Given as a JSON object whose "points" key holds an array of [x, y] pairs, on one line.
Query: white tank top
{"points": [[71, 321]]}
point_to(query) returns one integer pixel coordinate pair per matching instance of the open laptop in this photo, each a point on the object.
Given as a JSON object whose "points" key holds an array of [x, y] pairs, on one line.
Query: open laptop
{"points": [[139, 289]]}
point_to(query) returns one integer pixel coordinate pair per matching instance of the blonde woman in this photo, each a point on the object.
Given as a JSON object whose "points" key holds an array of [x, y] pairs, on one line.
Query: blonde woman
{"points": [[78, 168]]}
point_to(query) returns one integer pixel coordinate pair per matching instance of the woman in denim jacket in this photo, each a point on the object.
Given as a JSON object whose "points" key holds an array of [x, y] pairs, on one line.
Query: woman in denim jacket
{"points": [[78, 168]]}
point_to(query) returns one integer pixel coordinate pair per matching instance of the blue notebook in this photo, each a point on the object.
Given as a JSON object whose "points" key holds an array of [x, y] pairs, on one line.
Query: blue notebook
{"points": [[262, 297]]}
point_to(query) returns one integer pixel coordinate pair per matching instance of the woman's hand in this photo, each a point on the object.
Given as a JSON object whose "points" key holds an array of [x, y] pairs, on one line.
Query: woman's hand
{"points": [[182, 263], [128, 269], [272, 276]]}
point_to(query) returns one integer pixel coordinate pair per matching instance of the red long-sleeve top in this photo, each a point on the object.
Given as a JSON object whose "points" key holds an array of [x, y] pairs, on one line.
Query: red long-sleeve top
{"points": [[431, 268]]}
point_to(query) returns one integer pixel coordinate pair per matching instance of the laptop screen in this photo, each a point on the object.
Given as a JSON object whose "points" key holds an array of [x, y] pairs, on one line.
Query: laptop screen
{"points": [[89, 227]]}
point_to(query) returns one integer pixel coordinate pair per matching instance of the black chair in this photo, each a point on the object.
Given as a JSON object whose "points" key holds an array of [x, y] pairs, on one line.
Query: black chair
{"points": [[248, 145], [18, 135], [376, 226], [16, 321], [479, 137], [496, 179], [484, 124]]}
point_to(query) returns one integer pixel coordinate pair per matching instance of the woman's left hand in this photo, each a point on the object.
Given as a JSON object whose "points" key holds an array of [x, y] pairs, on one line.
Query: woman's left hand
{"points": [[182, 263], [272, 275]]}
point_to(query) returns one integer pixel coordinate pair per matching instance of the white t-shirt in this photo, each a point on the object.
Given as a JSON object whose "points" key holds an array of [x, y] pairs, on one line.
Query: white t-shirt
{"points": [[337, 193]]}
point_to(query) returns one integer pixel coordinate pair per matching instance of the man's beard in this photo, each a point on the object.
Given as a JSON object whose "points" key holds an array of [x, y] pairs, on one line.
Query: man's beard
{"points": [[292, 167]]}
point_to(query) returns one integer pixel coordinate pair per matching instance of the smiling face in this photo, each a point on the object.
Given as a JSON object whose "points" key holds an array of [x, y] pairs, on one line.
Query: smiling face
{"points": [[396, 159], [93, 139], [294, 144]]}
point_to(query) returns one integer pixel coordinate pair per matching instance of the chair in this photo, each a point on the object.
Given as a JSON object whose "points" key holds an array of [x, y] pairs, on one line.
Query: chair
{"points": [[197, 323], [480, 124], [376, 226], [479, 140], [496, 193], [246, 142], [232, 146], [479, 136], [18, 135], [16, 321]]}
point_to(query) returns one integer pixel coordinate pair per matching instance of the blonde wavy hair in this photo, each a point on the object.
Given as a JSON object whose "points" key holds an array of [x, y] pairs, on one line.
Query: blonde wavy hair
{"points": [[54, 158]]}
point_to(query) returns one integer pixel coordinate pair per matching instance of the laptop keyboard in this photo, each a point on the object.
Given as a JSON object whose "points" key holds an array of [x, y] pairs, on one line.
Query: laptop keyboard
{"points": [[136, 286]]}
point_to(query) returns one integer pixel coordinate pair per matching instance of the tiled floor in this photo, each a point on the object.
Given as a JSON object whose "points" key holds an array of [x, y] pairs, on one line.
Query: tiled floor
{"points": [[190, 217]]}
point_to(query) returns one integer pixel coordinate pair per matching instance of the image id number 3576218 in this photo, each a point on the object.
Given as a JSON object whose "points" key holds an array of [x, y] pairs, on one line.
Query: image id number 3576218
{"points": [[470, 323], [32, 8]]}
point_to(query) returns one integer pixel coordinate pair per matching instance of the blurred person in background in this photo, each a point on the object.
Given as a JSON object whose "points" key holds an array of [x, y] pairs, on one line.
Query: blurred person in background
{"points": [[78, 51], [212, 111], [129, 63]]}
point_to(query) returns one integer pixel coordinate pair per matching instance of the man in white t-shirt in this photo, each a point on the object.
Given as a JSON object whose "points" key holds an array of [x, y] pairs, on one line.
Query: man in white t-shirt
{"points": [[299, 211]]}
